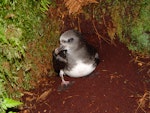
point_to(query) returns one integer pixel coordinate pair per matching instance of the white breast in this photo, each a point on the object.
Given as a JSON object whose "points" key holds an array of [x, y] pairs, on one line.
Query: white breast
{"points": [[80, 70]]}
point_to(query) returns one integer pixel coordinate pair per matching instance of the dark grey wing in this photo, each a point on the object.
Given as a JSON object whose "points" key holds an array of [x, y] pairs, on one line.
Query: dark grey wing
{"points": [[93, 53], [97, 59], [59, 60]]}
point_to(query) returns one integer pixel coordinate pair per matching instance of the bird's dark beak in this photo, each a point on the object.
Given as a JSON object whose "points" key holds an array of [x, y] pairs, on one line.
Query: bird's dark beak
{"points": [[60, 48]]}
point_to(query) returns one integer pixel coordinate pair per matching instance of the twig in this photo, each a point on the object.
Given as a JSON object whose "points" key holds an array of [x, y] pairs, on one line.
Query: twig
{"points": [[97, 33], [79, 24], [142, 100], [104, 21]]}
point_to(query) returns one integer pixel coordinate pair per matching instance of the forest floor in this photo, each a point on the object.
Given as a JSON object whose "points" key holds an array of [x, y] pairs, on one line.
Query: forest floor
{"points": [[116, 86]]}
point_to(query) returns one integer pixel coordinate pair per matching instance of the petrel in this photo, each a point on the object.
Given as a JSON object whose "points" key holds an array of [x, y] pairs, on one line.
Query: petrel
{"points": [[75, 57]]}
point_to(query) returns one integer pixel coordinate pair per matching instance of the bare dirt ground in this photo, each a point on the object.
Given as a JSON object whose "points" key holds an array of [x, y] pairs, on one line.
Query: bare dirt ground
{"points": [[116, 86]]}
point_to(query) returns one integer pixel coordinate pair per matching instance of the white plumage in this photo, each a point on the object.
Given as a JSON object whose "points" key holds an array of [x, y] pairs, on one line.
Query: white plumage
{"points": [[80, 69]]}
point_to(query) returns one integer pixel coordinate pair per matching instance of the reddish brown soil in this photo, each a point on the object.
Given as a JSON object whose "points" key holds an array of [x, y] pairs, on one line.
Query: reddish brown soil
{"points": [[114, 87]]}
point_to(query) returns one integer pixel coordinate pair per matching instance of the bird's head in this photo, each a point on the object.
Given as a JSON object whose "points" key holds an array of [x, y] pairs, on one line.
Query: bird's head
{"points": [[71, 40]]}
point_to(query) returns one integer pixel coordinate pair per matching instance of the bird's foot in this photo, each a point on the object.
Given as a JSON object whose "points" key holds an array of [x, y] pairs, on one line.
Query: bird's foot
{"points": [[65, 85]]}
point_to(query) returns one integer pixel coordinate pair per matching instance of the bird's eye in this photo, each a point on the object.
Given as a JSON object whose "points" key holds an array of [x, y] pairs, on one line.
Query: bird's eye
{"points": [[63, 41], [70, 40]]}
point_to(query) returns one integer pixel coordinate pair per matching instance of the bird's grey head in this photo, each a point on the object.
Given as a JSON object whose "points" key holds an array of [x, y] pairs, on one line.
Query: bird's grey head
{"points": [[71, 40]]}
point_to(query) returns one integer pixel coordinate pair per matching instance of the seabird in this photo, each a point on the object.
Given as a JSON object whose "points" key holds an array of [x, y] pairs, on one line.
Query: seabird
{"points": [[74, 57]]}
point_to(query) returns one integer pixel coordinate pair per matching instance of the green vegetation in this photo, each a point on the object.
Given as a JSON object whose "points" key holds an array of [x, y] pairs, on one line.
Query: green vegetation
{"points": [[140, 29], [9, 103], [133, 25], [20, 23], [128, 20]]}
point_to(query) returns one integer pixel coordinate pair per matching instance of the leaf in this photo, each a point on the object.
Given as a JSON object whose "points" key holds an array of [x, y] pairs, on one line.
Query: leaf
{"points": [[9, 103], [44, 5]]}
